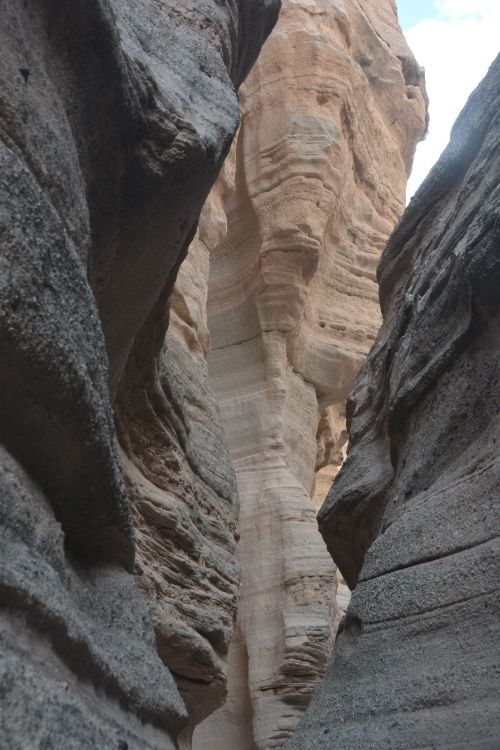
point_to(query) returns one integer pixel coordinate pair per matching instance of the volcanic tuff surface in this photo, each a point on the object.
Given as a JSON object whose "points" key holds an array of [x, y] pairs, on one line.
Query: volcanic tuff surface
{"points": [[112, 135], [181, 482], [414, 516], [331, 114]]}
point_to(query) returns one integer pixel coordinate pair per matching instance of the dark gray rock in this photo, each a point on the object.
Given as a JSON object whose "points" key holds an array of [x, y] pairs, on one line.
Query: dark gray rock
{"points": [[413, 519], [78, 663], [185, 504], [115, 117]]}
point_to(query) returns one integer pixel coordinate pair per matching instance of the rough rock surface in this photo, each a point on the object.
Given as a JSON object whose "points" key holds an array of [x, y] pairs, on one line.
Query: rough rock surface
{"points": [[182, 485], [413, 519], [78, 662], [331, 114], [115, 118]]}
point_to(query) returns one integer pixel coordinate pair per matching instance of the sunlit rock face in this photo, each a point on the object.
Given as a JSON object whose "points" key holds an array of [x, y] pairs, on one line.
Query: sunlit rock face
{"points": [[115, 119], [331, 114], [413, 519]]}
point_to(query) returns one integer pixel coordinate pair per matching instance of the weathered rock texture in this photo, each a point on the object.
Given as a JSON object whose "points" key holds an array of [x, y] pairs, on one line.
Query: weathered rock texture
{"points": [[413, 519], [331, 115], [112, 134], [182, 485]]}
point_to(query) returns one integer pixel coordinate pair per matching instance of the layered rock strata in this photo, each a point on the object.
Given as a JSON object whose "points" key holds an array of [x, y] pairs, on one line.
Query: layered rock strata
{"points": [[331, 114], [115, 118], [413, 519], [182, 485]]}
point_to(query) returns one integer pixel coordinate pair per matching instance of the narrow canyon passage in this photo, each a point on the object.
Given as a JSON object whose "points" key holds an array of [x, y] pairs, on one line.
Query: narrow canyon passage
{"points": [[199, 207], [320, 172]]}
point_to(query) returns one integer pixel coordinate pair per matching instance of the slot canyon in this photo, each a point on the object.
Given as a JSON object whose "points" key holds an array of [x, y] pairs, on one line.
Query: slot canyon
{"points": [[249, 402]]}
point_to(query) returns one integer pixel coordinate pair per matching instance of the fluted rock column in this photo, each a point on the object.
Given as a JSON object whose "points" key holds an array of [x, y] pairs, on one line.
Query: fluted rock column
{"points": [[331, 115]]}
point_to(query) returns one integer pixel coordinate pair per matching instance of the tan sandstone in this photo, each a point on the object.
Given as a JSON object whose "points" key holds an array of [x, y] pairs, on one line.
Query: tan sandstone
{"points": [[331, 114]]}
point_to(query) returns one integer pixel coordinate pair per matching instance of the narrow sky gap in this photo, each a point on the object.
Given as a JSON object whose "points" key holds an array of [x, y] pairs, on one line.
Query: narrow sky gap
{"points": [[456, 41]]}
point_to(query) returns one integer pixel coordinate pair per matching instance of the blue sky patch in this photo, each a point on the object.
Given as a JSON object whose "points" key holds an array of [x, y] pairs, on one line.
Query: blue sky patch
{"points": [[411, 12]]}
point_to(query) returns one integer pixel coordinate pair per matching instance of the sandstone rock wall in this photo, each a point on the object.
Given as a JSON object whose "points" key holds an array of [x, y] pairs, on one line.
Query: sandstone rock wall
{"points": [[115, 118], [413, 518], [331, 114]]}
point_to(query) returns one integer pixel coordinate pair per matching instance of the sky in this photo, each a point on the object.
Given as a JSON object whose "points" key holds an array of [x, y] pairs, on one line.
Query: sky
{"points": [[456, 41]]}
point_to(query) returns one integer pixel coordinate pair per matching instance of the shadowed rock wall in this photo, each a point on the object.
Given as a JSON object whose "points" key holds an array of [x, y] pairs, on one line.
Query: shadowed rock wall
{"points": [[331, 114], [413, 518], [112, 134], [181, 482]]}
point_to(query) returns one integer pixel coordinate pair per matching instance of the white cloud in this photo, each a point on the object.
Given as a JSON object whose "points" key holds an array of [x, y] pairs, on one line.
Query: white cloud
{"points": [[456, 49], [460, 9]]}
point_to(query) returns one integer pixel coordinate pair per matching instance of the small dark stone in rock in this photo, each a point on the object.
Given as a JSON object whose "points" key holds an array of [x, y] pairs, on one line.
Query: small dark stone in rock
{"points": [[25, 72], [408, 491], [122, 745]]}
